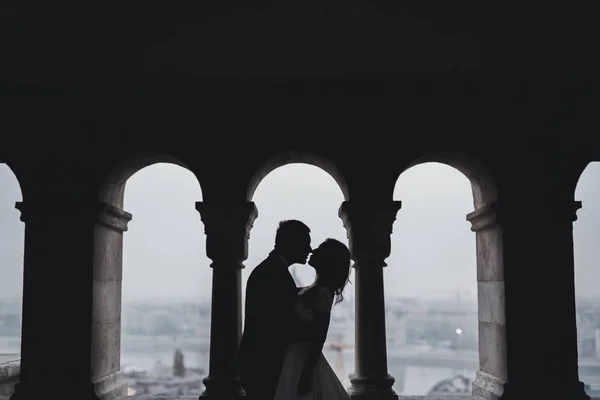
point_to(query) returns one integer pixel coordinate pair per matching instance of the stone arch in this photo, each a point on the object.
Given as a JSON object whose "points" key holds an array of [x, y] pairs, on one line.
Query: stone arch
{"points": [[108, 272], [17, 175], [314, 200], [13, 250], [112, 188], [294, 157], [482, 184], [585, 220], [492, 374], [579, 171]]}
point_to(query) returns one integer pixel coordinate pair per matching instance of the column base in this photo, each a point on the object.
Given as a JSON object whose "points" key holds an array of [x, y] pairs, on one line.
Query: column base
{"points": [[7, 387], [488, 386], [9, 377], [550, 392], [222, 389], [111, 386], [372, 388]]}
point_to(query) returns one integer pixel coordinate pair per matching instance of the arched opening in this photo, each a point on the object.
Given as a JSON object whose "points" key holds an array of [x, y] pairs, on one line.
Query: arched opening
{"points": [[152, 282], [431, 284], [483, 187], [309, 194], [12, 232], [293, 157], [165, 320], [587, 275]]}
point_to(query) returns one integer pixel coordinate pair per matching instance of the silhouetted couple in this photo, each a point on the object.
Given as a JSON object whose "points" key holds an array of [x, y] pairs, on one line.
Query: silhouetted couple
{"points": [[281, 350]]}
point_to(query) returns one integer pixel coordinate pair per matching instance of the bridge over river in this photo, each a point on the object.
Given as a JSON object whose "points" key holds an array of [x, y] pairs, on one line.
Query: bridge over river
{"points": [[456, 359]]}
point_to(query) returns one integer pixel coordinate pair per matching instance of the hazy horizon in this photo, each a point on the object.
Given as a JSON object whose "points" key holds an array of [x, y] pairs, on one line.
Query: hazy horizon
{"points": [[433, 249]]}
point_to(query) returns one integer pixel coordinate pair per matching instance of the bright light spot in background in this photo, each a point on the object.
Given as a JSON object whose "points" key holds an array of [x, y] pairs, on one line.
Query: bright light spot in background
{"points": [[432, 266]]}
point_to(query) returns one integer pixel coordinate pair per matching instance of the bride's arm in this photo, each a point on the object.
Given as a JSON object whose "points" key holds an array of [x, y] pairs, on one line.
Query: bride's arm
{"points": [[321, 317], [303, 313], [302, 320]]}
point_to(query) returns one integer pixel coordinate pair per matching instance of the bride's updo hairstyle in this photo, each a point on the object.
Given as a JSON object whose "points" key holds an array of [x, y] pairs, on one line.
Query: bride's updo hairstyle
{"points": [[335, 270]]}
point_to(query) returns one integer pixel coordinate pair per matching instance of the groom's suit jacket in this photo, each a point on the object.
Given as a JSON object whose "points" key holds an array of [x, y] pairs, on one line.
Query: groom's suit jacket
{"points": [[270, 324]]}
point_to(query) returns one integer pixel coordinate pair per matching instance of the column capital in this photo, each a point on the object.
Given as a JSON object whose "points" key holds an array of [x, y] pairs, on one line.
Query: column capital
{"points": [[576, 207], [227, 219], [369, 226], [493, 214], [99, 213], [113, 217], [555, 209], [227, 228], [483, 217]]}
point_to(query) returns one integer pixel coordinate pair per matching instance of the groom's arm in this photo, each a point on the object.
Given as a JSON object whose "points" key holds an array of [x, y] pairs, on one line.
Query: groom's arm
{"points": [[264, 292], [278, 318]]}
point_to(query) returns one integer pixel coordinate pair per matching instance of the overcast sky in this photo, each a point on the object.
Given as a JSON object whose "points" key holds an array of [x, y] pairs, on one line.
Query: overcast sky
{"points": [[433, 249]]}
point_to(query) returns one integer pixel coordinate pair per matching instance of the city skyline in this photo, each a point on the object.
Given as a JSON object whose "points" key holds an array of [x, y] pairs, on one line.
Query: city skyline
{"points": [[433, 249]]}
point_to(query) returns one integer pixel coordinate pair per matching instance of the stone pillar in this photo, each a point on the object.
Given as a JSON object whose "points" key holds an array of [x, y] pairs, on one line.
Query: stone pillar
{"points": [[369, 226], [57, 300], [491, 376], [227, 228], [106, 303], [541, 338]]}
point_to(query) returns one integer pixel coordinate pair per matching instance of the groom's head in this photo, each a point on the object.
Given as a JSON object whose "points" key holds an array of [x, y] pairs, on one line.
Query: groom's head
{"points": [[292, 241]]}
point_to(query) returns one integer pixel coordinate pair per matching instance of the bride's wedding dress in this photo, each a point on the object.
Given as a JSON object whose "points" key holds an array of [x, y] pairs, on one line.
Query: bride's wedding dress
{"points": [[325, 383]]}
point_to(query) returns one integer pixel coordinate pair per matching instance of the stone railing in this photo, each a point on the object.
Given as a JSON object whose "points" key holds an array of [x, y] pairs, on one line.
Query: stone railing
{"points": [[10, 366]]}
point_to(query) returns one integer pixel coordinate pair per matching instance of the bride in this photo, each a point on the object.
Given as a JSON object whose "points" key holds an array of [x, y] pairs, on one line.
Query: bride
{"points": [[305, 373]]}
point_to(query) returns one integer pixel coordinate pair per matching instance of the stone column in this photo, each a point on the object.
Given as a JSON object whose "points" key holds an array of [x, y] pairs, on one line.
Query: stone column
{"points": [[227, 228], [58, 297], [106, 303], [491, 376], [369, 226], [541, 339]]}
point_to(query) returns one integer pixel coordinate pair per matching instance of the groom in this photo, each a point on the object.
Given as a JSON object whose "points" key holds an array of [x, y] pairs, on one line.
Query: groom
{"points": [[270, 323]]}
